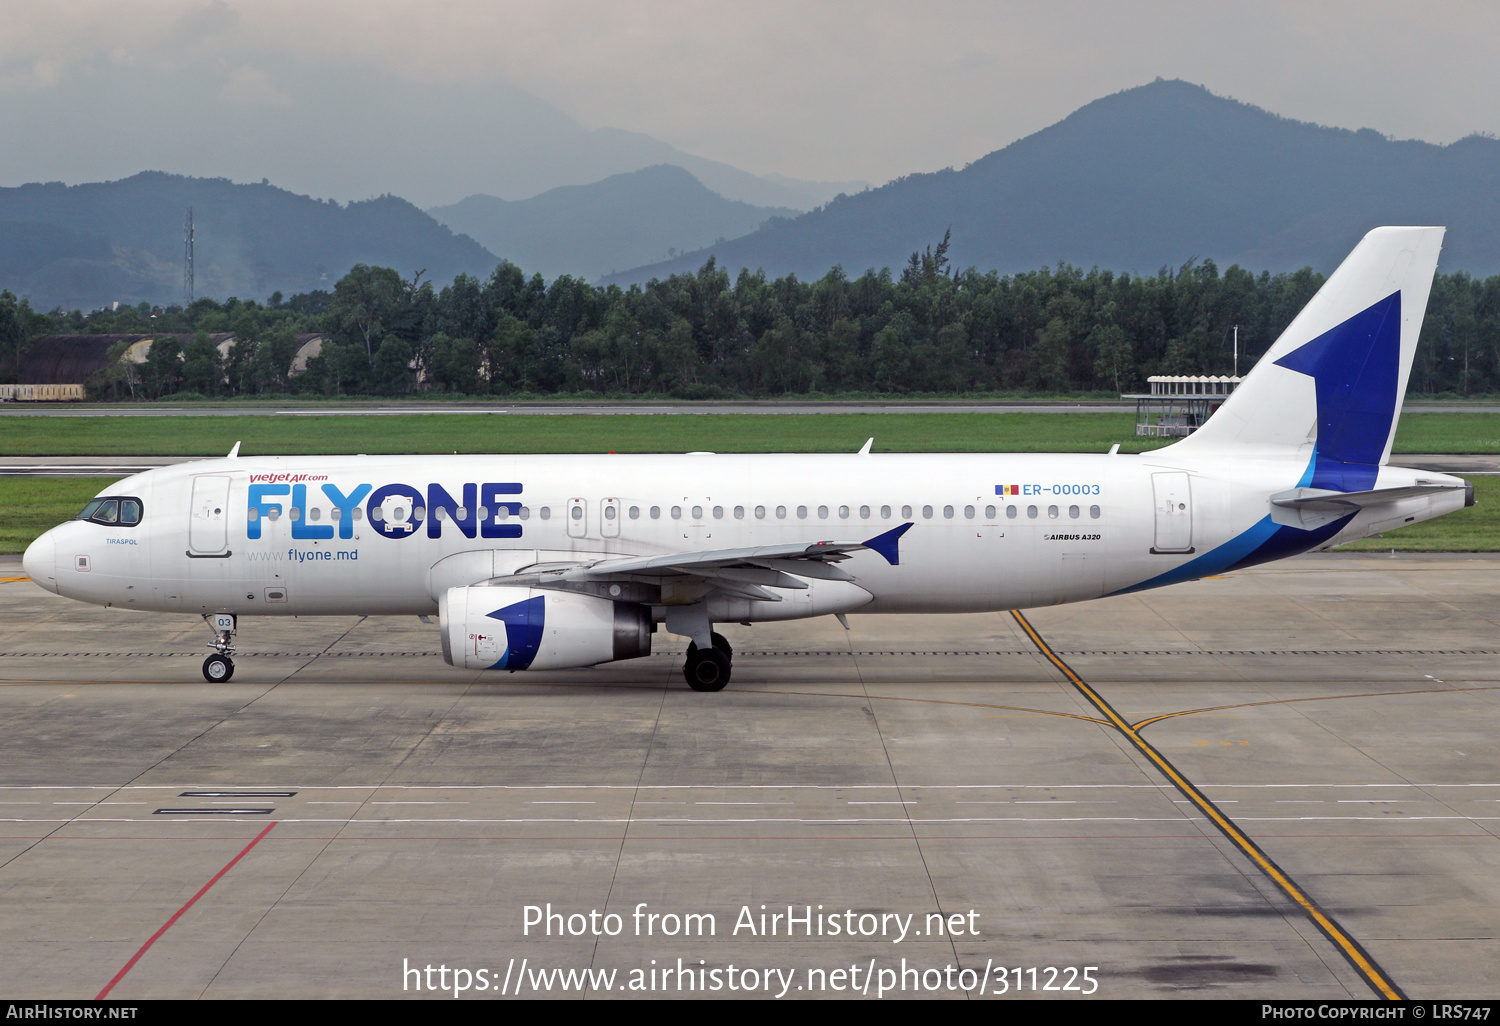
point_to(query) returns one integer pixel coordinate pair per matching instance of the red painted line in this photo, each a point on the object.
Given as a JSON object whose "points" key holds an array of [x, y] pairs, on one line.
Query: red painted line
{"points": [[178, 914]]}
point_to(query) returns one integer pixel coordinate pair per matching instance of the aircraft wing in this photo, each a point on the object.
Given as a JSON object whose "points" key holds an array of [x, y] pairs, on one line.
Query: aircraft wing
{"points": [[744, 571]]}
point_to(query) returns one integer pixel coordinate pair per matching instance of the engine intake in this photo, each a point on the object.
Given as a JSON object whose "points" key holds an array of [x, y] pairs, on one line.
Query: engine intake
{"points": [[500, 628]]}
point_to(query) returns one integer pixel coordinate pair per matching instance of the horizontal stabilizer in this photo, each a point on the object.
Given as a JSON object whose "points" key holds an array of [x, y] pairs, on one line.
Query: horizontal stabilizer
{"points": [[1322, 499]]}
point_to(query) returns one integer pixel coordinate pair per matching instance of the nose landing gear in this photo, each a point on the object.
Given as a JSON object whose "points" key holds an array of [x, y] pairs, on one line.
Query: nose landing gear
{"points": [[218, 668]]}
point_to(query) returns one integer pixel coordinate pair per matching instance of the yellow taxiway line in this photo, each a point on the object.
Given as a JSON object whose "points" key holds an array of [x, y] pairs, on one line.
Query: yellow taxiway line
{"points": [[1326, 924]]}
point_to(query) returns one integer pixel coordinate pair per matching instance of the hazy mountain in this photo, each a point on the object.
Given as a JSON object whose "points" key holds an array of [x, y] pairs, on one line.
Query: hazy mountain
{"points": [[343, 129], [89, 245], [592, 230], [1150, 177], [590, 156]]}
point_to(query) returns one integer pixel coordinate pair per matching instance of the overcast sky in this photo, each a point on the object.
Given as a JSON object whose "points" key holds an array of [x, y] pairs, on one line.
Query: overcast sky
{"points": [[843, 89]]}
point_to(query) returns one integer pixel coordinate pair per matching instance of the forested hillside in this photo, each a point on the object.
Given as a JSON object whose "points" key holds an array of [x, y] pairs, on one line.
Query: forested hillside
{"points": [[1148, 177], [84, 246], [930, 329]]}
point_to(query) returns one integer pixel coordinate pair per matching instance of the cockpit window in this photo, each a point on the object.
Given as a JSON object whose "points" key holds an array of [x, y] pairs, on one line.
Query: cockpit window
{"points": [[112, 510]]}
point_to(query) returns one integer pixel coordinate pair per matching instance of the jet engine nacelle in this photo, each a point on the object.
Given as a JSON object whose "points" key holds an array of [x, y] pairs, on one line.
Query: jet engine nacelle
{"points": [[500, 628]]}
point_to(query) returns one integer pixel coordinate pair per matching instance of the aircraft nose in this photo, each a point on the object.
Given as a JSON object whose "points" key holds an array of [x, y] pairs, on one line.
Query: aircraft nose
{"points": [[40, 561]]}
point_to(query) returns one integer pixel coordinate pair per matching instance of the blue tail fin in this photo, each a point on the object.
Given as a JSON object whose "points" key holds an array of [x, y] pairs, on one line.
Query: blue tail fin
{"points": [[1331, 386]]}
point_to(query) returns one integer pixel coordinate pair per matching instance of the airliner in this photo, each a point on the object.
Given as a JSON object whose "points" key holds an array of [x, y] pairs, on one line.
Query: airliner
{"points": [[556, 562]]}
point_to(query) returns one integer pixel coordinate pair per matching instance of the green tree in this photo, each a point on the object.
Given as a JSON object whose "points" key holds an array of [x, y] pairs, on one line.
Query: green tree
{"points": [[369, 303], [202, 369], [273, 361], [1114, 361], [1051, 357], [162, 372], [453, 364], [13, 334], [393, 373]]}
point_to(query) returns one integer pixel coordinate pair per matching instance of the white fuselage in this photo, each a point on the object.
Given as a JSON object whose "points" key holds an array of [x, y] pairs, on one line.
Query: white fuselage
{"points": [[256, 535]]}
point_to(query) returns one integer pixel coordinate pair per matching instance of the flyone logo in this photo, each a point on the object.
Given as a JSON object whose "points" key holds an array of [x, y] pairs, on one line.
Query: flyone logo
{"points": [[462, 512]]}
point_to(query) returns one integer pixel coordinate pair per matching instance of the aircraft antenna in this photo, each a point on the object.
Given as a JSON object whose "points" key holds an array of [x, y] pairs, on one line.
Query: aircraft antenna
{"points": [[187, 260]]}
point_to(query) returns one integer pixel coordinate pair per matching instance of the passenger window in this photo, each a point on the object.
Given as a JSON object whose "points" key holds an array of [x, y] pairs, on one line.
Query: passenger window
{"points": [[968, 512], [739, 512], [989, 512], [864, 512], [718, 512], [359, 514], [676, 512], [377, 515], [780, 512], [885, 512], [576, 513], [440, 514], [926, 512], [1073, 512], [253, 515], [316, 514], [1052, 512], [335, 513], [483, 513], [905, 512], [417, 512], [822, 512], [843, 512], [294, 514], [655, 512], [697, 512], [760, 512], [1010, 512], [525, 512], [1094, 512], [635, 512], [461, 513], [503, 513], [1031, 512], [948, 512], [609, 513], [801, 512]]}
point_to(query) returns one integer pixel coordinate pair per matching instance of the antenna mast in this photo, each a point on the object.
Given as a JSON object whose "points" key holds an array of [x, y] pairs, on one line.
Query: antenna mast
{"points": [[187, 260]]}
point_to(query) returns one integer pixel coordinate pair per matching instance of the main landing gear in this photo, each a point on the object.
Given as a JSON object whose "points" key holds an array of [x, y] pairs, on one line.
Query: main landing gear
{"points": [[218, 668], [708, 669]]}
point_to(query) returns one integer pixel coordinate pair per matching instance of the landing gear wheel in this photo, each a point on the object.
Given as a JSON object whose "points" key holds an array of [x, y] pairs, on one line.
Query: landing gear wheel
{"points": [[217, 669], [706, 669], [722, 644]]}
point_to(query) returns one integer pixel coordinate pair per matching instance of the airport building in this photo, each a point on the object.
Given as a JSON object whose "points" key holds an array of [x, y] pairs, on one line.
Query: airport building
{"points": [[1178, 405]]}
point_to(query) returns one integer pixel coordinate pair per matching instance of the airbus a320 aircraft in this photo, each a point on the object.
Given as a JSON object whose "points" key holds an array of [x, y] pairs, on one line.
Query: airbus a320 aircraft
{"points": [[550, 562]]}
